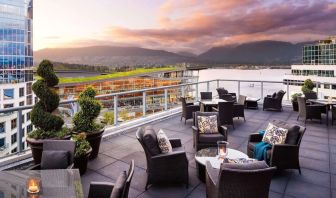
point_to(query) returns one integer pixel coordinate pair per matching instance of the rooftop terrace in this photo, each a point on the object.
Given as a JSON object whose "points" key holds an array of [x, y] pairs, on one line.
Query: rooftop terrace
{"points": [[317, 158]]}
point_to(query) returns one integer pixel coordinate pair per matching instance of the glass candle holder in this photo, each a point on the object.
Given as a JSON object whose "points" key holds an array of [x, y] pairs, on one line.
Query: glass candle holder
{"points": [[222, 149], [33, 185]]}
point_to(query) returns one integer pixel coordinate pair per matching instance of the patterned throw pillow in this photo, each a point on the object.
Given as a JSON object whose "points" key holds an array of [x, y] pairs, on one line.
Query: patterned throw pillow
{"points": [[164, 143], [207, 124], [275, 135]]}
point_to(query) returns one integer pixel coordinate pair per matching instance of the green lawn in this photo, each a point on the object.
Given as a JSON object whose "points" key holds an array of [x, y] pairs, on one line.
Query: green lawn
{"points": [[115, 75]]}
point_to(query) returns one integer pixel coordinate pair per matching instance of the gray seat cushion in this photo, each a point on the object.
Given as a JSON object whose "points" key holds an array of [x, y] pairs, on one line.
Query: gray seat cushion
{"points": [[119, 186], [54, 159], [293, 131], [210, 138], [150, 141], [245, 166]]}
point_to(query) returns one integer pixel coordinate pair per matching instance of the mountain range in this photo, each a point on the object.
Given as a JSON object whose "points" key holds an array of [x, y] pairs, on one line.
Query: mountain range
{"points": [[261, 52]]}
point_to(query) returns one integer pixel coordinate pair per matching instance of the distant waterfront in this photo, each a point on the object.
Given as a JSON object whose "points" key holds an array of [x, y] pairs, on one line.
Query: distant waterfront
{"points": [[249, 88]]}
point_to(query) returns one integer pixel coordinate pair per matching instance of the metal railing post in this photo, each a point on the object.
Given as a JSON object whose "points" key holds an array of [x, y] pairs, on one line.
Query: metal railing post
{"points": [[115, 105], [287, 90], [19, 134], [217, 83], [143, 103], [197, 91], [182, 91], [208, 86], [317, 88], [166, 99], [262, 90], [238, 88]]}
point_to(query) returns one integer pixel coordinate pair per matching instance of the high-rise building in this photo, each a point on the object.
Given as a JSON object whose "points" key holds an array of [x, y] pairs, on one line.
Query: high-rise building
{"points": [[16, 74]]}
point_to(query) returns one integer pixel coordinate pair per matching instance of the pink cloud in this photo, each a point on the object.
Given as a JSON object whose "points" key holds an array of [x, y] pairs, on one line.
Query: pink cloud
{"points": [[197, 25]]}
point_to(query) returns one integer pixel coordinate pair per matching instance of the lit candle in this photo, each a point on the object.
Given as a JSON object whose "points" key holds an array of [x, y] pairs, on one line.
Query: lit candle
{"points": [[33, 186]]}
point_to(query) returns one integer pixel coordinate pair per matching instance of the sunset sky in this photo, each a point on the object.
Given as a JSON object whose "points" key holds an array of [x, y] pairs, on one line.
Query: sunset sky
{"points": [[179, 25]]}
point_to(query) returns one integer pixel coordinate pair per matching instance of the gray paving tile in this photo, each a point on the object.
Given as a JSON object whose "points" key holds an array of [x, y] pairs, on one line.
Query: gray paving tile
{"points": [[101, 161], [306, 190], [313, 177], [314, 154], [314, 164]]}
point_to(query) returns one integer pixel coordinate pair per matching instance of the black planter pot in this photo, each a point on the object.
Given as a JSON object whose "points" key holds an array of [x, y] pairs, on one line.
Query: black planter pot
{"points": [[295, 106], [94, 139], [82, 161], [36, 146]]}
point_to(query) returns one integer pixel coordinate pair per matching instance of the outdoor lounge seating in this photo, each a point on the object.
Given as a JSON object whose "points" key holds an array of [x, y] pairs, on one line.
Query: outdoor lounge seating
{"points": [[274, 102], [57, 154], [282, 156], [309, 111], [205, 140], [251, 180], [225, 111], [188, 109], [238, 108], [171, 167], [104, 189], [206, 95]]}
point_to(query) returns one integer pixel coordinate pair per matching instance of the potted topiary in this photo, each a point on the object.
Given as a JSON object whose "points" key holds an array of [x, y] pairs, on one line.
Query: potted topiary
{"points": [[82, 152], [85, 119], [307, 86], [294, 101], [48, 125]]}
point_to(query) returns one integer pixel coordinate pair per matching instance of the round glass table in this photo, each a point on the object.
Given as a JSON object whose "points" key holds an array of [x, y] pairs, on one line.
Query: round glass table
{"points": [[211, 155]]}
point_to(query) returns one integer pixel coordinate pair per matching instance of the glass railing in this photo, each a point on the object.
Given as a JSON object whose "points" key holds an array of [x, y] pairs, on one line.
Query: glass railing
{"points": [[124, 107]]}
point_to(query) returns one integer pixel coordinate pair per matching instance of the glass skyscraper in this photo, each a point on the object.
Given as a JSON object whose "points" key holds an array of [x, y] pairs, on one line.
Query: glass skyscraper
{"points": [[16, 74]]}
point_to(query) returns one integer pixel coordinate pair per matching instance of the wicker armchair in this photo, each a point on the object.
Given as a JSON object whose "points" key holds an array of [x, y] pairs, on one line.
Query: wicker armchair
{"points": [[56, 145], [225, 110], [104, 189], [188, 109], [206, 95], [164, 168], [307, 111], [228, 97], [202, 141], [283, 156], [274, 103], [250, 180], [238, 109], [310, 95]]}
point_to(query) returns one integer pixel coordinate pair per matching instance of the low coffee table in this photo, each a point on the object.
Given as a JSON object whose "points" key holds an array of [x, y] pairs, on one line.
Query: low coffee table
{"points": [[251, 103], [210, 154]]}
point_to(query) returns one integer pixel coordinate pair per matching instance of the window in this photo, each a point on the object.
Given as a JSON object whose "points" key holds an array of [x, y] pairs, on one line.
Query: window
{"points": [[21, 104], [2, 142], [29, 100], [21, 92], [326, 86], [14, 138], [29, 128], [23, 145], [8, 106], [14, 150], [333, 86], [8, 94], [23, 118], [28, 116], [13, 124], [23, 132], [2, 127], [29, 89]]}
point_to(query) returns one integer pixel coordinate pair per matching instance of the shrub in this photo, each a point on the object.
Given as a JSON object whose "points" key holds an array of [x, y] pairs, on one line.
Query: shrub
{"points": [[295, 95], [307, 86], [82, 145], [84, 120], [108, 117], [47, 124]]}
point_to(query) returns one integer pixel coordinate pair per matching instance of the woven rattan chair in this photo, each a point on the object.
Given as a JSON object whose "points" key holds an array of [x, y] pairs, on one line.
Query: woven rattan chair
{"points": [[238, 109], [274, 103], [171, 167], [206, 95], [309, 111], [201, 140], [225, 110], [104, 189], [239, 180], [188, 109]]}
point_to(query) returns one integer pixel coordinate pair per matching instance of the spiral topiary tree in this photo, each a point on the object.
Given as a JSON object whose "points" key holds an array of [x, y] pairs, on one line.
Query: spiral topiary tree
{"points": [[41, 115], [84, 120]]}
